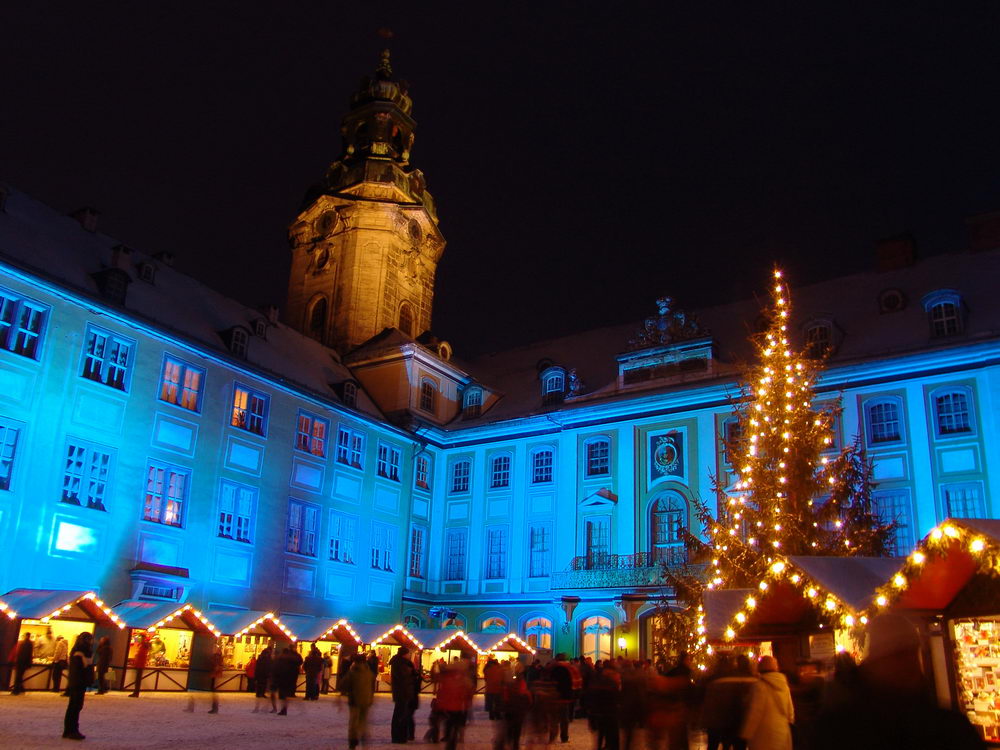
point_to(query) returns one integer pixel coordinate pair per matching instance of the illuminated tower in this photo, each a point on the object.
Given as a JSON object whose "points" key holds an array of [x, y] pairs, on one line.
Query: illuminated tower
{"points": [[366, 244]]}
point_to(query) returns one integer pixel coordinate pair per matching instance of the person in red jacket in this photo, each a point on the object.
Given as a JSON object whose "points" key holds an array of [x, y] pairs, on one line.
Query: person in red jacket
{"points": [[454, 698], [139, 663]]}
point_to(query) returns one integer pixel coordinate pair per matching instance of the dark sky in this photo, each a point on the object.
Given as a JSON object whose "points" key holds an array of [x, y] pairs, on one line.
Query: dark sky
{"points": [[585, 157]]}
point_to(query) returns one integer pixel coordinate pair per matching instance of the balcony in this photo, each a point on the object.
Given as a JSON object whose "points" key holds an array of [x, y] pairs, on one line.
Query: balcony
{"points": [[605, 571]]}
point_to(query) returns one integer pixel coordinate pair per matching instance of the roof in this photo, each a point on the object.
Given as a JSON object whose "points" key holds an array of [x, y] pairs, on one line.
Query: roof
{"points": [[67, 604], [389, 635], [251, 621], [142, 615], [39, 239], [853, 580]]}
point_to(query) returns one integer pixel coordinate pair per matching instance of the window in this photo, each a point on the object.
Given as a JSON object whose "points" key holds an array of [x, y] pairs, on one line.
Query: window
{"points": [[944, 312], [539, 544], [85, 475], [181, 384], [406, 319], [953, 412], [460, 472], [350, 393], [422, 472], [317, 319], [494, 625], [388, 462], [735, 442], [884, 424], [147, 272], [8, 448], [819, 338], [500, 471], [963, 500], [303, 522], [249, 410], [412, 622], [342, 534], [596, 638], [428, 396], [166, 493], [598, 457], [237, 508], [311, 434], [472, 402], [456, 546], [597, 542], [21, 323], [239, 342], [383, 545], [668, 518], [350, 447], [895, 505], [496, 552], [417, 543], [538, 632], [553, 385], [541, 466], [108, 358]]}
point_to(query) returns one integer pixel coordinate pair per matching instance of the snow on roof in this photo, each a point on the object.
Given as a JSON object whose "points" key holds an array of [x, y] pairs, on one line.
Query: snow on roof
{"points": [[41, 240], [853, 580]]}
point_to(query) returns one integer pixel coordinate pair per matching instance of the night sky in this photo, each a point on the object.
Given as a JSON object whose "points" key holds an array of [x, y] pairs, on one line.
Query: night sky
{"points": [[585, 157]]}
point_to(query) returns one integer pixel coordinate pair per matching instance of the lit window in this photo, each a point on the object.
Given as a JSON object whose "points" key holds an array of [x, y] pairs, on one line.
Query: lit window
{"points": [[668, 518], [239, 341], [539, 543], [166, 494], [237, 507], [311, 434], [895, 506], [181, 384], [884, 424], [350, 393], [472, 402], [422, 472], [541, 466], [595, 637], [538, 632], [554, 383], [85, 475], [108, 358], [249, 409], [417, 542], [350, 447], [428, 396], [342, 535], [952, 412], [598, 457], [21, 323], [963, 500], [500, 472], [388, 462], [303, 522], [456, 546], [944, 312], [9, 434], [383, 544], [494, 625], [460, 472], [496, 552]]}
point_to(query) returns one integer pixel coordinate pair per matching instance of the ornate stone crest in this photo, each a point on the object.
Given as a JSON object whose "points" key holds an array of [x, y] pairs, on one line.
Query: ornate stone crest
{"points": [[668, 326]]}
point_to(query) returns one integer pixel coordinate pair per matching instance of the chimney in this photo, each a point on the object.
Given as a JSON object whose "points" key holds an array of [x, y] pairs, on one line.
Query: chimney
{"points": [[271, 313], [87, 217], [984, 231], [165, 258], [896, 252]]}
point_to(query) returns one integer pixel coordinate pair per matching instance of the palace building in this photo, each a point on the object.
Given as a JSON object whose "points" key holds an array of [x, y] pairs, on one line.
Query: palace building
{"points": [[162, 443]]}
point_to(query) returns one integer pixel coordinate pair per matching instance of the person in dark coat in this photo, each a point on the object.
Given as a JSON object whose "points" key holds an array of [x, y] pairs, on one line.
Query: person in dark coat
{"points": [[103, 661], [313, 667], [559, 672], [286, 672], [80, 676], [403, 677], [262, 677], [22, 660]]}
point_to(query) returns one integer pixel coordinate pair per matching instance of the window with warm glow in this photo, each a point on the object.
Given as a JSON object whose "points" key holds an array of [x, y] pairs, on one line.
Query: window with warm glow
{"points": [[311, 434], [249, 409], [166, 494], [181, 384]]}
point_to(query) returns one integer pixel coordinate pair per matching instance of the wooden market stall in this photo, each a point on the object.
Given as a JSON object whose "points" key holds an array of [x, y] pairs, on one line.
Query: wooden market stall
{"points": [[243, 635], [381, 640], [510, 647], [334, 638], [169, 630], [47, 615]]}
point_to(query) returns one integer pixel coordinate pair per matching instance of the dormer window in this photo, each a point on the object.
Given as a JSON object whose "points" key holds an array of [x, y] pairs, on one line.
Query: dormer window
{"points": [[428, 395], [819, 339], [944, 312], [553, 385], [350, 396], [260, 328], [472, 402], [237, 341], [112, 283], [147, 273]]}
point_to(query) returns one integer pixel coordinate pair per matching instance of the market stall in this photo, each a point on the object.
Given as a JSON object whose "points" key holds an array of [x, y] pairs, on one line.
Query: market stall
{"points": [[950, 587], [508, 647], [48, 615], [244, 634], [334, 638], [383, 641], [165, 633]]}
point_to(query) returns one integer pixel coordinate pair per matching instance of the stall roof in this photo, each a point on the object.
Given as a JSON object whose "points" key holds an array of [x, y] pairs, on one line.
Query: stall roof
{"points": [[46, 604], [431, 637], [311, 629], [389, 635], [252, 622], [152, 615], [720, 606], [449, 642], [509, 642], [853, 580]]}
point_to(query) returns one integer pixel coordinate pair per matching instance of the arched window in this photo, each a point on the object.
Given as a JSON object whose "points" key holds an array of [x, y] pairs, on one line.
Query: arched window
{"points": [[598, 457], [944, 312], [428, 395], [406, 319], [541, 465], [317, 319], [553, 385], [460, 472], [953, 411], [883, 420], [595, 638], [412, 621], [472, 402], [350, 393], [500, 471], [494, 625], [667, 520], [538, 632], [455, 621], [819, 339]]}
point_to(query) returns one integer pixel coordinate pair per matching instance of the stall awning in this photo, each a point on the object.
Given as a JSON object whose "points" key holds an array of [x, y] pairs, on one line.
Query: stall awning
{"points": [[251, 622], [508, 642], [388, 635], [458, 640], [154, 615], [48, 604], [310, 629], [852, 580]]}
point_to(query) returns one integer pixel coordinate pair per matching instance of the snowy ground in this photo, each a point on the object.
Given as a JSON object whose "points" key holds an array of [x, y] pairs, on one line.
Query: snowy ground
{"points": [[157, 720]]}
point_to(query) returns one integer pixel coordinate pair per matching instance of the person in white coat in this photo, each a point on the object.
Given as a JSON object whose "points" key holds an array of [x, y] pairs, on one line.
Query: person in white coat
{"points": [[767, 725]]}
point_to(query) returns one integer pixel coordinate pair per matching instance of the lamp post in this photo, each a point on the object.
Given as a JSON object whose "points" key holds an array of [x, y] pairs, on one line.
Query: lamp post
{"points": [[623, 645]]}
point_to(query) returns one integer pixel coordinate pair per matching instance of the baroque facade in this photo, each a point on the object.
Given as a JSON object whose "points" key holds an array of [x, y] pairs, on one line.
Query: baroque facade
{"points": [[342, 461]]}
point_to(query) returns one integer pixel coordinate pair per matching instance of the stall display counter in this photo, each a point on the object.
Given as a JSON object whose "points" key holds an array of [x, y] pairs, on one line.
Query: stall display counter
{"points": [[332, 637], [382, 640], [245, 633]]}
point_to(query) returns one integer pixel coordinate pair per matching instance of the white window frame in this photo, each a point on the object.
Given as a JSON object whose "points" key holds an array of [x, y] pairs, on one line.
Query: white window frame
{"points": [[538, 632], [428, 396], [880, 401], [350, 447], [237, 511], [302, 528], [456, 554], [945, 392], [496, 545], [592, 461], [383, 547], [387, 465], [107, 358], [306, 438], [597, 550], [181, 383], [500, 471], [896, 505], [343, 537], [418, 552], [542, 472], [22, 324], [461, 481], [167, 488], [472, 402], [249, 409], [980, 511], [539, 550], [86, 475], [422, 472], [350, 393], [10, 432]]}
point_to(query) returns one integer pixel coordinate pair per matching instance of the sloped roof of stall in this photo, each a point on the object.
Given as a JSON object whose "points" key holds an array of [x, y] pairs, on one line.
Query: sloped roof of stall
{"points": [[70, 604], [39, 239], [853, 580]]}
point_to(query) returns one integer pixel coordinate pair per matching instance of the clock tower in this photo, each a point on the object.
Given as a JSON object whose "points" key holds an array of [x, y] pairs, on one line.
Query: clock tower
{"points": [[366, 244]]}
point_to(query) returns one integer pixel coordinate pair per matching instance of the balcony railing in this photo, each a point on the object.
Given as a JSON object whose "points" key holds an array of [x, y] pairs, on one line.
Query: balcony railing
{"points": [[618, 571]]}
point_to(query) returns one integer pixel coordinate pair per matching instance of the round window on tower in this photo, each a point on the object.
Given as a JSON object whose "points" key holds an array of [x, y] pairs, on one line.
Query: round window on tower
{"points": [[414, 228]]}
